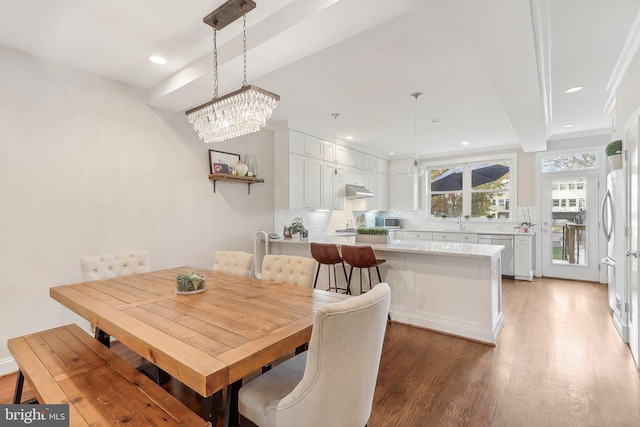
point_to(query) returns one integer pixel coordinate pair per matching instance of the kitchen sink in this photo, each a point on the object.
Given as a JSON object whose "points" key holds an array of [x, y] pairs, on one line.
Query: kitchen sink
{"points": [[347, 230]]}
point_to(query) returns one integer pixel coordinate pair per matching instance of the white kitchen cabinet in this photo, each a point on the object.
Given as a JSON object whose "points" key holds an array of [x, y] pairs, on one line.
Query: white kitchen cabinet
{"points": [[524, 257], [353, 176], [305, 145], [377, 183], [333, 193], [455, 237], [305, 185], [329, 151], [404, 190], [417, 235], [349, 157]]}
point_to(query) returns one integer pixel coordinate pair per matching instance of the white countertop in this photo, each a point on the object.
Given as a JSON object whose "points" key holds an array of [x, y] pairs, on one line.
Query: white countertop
{"points": [[429, 230], [410, 246]]}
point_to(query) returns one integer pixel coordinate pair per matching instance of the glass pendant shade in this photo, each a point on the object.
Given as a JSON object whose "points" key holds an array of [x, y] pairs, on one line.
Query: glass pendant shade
{"points": [[416, 169], [336, 178], [238, 113]]}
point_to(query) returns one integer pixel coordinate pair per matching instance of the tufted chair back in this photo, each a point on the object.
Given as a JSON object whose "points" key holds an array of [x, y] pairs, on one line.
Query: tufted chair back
{"points": [[333, 383], [288, 269], [238, 263], [114, 265]]}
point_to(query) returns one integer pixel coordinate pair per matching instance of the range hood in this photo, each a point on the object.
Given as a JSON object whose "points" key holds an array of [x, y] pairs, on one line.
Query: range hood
{"points": [[357, 192]]}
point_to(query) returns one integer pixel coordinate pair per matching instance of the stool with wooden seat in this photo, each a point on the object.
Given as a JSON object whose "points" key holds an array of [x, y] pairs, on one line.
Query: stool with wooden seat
{"points": [[327, 254], [361, 257]]}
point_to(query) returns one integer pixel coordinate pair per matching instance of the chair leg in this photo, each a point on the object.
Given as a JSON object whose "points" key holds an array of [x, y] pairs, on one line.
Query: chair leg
{"points": [[316, 279], [379, 277], [349, 279], [335, 278]]}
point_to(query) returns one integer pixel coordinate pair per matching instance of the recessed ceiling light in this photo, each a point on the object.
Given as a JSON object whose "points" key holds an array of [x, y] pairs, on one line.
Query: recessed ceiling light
{"points": [[349, 137], [157, 59], [391, 154], [568, 126], [574, 89], [464, 143]]}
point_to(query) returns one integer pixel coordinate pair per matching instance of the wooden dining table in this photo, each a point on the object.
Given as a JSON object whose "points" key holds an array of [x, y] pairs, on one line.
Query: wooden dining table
{"points": [[209, 340]]}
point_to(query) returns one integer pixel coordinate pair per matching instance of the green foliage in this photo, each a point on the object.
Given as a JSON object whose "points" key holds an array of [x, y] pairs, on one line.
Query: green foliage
{"points": [[189, 282], [373, 231], [296, 227], [614, 147], [467, 217], [490, 216]]}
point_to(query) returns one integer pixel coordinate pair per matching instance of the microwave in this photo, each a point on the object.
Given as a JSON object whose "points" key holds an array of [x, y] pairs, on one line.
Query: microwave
{"points": [[392, 222]]}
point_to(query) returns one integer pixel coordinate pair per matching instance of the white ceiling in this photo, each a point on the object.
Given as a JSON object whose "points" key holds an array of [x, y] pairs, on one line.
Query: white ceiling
{"points": [[494, 71]]}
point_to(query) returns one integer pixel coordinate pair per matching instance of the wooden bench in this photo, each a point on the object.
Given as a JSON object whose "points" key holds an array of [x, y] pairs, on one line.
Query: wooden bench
{"points": [[66, 365]]}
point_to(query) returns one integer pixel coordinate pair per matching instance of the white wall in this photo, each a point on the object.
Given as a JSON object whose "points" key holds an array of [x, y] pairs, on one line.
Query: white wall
{"points": [[87, 168]]}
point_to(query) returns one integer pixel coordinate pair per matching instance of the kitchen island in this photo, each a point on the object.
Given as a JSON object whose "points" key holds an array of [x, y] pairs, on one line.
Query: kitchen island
{"points": [[449, 287]]}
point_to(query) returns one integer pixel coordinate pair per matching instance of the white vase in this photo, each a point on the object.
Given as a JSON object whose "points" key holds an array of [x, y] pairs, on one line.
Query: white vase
{"points": [[615, 161], [241, 168]]}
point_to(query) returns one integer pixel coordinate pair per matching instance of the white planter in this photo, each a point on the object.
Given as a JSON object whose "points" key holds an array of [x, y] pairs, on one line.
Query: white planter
{"points": [[371, 238], [615, 161]]}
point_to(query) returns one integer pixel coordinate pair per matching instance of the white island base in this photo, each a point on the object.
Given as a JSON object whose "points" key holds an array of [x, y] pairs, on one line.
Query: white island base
{"points": [[454, 288]]}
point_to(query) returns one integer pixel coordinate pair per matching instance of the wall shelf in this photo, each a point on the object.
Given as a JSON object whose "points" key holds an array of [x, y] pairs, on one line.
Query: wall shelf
{"points": [[214, 177]]}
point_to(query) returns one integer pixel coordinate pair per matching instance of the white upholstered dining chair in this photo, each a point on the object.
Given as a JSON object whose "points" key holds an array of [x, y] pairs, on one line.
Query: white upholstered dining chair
{"points": [[233, 262], [331, 384], [288, 269], [114, 265]]}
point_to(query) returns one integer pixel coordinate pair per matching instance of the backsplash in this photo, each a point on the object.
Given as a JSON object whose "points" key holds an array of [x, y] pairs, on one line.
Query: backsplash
{"points": [[324, 223]]}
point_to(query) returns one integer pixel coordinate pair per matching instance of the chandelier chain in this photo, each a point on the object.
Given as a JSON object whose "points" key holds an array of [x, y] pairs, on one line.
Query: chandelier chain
{"points": [[244, 47], [215, 63]]}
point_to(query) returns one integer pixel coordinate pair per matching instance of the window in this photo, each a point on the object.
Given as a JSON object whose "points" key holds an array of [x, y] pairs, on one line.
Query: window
{"points": [[572, 203], [567, 162], [556, 203], [478, 189]]}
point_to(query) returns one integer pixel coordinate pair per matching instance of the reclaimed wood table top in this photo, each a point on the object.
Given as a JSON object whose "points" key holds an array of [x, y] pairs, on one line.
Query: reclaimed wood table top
{"points": [[206, 340]]}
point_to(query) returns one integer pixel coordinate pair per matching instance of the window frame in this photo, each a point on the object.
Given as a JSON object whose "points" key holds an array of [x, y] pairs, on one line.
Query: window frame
{"points": [[467, 191]]}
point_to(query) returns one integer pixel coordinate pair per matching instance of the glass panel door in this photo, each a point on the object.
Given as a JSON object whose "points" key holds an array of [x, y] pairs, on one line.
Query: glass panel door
{"points": [[569, 229]]}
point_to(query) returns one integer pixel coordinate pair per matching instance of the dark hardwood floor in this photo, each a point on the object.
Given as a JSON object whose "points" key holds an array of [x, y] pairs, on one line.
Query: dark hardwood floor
{"points": [[558, 362]]}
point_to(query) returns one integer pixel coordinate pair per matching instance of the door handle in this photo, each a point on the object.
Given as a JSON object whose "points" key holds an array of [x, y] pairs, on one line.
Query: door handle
{"points": [[633, 254]]}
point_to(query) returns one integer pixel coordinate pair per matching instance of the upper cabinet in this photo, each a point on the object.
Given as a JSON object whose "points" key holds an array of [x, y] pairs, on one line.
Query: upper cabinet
{"points": [[375, 164], [304, 167], [305, 145], [350, 157]]}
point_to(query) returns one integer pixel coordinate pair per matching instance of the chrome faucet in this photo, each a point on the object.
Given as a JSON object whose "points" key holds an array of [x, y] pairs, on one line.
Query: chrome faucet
{"points": [[349, 224]]}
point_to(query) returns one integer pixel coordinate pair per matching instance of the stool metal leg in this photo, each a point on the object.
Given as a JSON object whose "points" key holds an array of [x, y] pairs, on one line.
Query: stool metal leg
{"points": [[379, 277], [348, 290], [317, 274]]}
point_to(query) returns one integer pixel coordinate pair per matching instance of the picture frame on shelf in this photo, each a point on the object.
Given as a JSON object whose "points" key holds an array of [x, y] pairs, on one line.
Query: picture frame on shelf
{"points": [[221, 168], [222, 158]]}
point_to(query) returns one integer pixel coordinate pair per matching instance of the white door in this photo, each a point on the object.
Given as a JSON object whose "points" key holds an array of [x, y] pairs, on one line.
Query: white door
{"points": [[569, 237], [631, 165]]}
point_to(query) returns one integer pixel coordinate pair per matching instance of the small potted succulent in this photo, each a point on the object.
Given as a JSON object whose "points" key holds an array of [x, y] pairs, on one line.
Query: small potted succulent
{"points": [[372, 235], [614, 154], [190, 283]]}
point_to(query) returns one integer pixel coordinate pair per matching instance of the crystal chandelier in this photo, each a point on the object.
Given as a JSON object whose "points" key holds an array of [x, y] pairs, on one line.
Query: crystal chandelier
{"points": [[240, 112], [416, 169], [335, 177]]}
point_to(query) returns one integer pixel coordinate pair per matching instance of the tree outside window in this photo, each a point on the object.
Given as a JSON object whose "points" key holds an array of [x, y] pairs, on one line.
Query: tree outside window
{"points": [[474, 189]]}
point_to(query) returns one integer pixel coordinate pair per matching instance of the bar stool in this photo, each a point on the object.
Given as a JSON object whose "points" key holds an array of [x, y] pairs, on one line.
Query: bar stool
{"points": [[327, 254], [361, 257]]}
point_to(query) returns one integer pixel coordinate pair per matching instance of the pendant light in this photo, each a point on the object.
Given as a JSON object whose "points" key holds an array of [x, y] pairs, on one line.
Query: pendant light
{"points": [[336, 178], [240, 112], [416, 169]]}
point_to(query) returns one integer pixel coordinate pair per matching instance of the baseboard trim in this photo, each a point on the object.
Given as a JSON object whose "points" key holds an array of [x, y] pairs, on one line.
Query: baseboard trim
{"points": [[8, 366]]}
